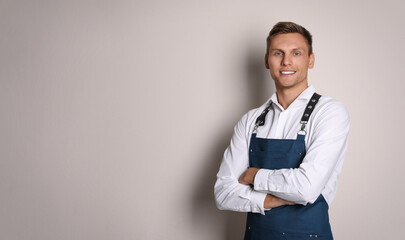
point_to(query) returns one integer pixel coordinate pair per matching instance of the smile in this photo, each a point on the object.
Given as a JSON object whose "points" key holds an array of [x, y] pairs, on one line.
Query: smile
{"points": [[287, 72]]}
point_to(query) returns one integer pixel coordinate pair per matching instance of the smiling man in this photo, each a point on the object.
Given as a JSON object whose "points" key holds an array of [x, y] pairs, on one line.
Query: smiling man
{"points": [[284, 158]]}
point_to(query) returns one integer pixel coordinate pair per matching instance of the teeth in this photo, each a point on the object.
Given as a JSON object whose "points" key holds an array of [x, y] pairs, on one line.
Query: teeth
{"points": [[287, 72]]}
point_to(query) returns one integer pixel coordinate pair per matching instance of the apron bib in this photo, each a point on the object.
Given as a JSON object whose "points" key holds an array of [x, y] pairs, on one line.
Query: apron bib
{"points": [[289, 222]]}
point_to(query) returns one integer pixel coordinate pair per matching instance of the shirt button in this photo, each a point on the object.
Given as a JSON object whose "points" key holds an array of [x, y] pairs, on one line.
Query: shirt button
{"points": [[260, 185]]}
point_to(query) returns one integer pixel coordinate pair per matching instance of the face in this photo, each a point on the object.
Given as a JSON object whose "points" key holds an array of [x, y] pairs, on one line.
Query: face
{"points": [[289, 61]]}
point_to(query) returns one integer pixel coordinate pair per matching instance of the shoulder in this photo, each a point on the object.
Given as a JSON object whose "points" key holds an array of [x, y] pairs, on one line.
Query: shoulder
{"points": [[331, 115], [328, 106]]}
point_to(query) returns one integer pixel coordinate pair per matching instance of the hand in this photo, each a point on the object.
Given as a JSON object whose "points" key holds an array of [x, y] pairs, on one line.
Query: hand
{"points": [[248, 177], [272, 201]]}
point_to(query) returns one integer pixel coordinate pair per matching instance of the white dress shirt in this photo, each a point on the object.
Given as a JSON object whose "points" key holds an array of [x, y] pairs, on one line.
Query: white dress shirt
{"points": [[326, 146]]}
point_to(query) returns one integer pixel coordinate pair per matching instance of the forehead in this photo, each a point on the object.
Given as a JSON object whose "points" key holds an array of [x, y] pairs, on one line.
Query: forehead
{"points": [[288, 41]]}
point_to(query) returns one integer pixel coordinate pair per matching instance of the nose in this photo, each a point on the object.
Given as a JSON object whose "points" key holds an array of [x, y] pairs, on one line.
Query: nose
{"points": [[286, 60]]}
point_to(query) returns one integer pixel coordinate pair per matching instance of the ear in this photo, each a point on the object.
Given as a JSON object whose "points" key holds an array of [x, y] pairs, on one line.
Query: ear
{"points": [[266, 61], [311, 61]]}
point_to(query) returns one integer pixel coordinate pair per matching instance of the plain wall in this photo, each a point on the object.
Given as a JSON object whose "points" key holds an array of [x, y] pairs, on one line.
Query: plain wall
{"points": [[115, 114]]}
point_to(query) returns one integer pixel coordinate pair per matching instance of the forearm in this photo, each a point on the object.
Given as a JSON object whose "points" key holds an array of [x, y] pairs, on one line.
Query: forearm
{"points": [[231, 195], [247, 178], [288, 184], [272, 202], [283, 191]]}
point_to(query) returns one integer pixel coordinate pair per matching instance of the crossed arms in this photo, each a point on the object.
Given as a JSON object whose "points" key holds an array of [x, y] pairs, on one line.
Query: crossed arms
{"points": [[240, 188]]}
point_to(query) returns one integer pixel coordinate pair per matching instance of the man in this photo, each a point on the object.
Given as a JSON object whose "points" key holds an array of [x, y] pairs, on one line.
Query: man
{"points": [[284, 158]]}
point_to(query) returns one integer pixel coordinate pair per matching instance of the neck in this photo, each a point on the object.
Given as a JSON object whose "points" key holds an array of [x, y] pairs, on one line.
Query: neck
{"points": [[286, 96]]}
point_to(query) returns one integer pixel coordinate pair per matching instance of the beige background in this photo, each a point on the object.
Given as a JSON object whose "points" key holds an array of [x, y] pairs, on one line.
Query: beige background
{"points": [[115, 114]]}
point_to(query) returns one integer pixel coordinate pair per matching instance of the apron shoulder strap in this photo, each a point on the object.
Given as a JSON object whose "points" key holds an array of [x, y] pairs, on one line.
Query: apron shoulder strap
{"points": [[262, 118], [308, 110], [310, 107]]}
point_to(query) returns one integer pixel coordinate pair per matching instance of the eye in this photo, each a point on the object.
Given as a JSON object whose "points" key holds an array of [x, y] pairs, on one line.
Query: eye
{"points": [[297, 53], [278, 53]]}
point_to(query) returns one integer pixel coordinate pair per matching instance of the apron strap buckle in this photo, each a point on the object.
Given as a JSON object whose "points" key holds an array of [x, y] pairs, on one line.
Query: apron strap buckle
{"points": [[303, 125]]}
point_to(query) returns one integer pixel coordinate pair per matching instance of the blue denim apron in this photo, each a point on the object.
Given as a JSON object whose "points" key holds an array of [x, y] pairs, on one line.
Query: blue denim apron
{"points": [[289, 222]]}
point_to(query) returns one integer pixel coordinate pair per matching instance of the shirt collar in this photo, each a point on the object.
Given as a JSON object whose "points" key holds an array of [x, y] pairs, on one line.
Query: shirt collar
{"points": [[305, 96]]}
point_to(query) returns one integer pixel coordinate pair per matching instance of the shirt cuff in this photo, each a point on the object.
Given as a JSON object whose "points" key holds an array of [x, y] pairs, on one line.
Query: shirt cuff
{"points": [[257, 202], [260, 183]]}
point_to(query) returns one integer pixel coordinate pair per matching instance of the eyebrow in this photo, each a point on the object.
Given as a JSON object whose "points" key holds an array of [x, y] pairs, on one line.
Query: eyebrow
{"points": [[295, 49]]}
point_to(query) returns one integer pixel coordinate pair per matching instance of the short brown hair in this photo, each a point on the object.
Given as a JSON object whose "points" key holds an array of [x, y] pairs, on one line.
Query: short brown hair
{"points": [[289, 27]]}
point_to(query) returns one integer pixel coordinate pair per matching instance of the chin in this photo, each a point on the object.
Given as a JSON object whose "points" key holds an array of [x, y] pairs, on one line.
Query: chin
{"points": [[285, 84]]}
